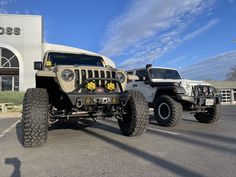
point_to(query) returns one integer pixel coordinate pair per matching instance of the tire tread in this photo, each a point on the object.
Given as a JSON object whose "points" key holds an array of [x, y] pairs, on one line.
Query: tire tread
{"points": [[176, 111], [35, 117], [140, 117], [212, 117]]}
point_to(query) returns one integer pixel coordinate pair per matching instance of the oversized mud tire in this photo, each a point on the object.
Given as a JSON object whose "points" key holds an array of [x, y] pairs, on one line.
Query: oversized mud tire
{"points": [[135, 122], [168, 112], [35, 117], [212, 115]]}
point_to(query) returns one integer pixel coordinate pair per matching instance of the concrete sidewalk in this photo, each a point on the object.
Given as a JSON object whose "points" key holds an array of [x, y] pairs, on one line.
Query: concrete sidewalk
{"points": [[10, 115]]}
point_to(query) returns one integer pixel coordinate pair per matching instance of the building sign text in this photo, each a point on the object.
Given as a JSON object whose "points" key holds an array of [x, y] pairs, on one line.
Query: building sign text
{"points": [[9, 30]]}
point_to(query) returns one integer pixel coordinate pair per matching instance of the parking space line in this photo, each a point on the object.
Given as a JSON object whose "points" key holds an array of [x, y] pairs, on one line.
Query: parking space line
{"points": [[150, 128], [9, 129], [163, 131]]}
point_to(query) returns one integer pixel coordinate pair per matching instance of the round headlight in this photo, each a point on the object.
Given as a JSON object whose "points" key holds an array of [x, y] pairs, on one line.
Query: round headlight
{"points": [[67, 75], [211, 89], [204, 89], [120, 77], [199, 91], [188, 87]]}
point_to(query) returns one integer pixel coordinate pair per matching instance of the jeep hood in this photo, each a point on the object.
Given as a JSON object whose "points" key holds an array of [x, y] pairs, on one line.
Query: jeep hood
{"points": [[186, 84], [183, 82], [61, 48]]}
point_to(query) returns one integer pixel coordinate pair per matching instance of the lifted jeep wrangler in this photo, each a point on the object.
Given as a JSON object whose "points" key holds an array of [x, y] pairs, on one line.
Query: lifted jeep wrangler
{"points": [[80, 85], [170, 95]]}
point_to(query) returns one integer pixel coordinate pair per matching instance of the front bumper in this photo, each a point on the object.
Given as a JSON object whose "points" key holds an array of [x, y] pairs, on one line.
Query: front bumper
{"points": [[93, 99], [199, 101]]}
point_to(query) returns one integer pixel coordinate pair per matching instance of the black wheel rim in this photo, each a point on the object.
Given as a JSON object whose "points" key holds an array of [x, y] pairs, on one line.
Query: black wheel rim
{"points": [[164, 111]]}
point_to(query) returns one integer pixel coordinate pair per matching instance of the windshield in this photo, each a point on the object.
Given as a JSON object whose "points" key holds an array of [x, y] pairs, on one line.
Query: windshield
{"points": [[160, 73], [74, 59]]}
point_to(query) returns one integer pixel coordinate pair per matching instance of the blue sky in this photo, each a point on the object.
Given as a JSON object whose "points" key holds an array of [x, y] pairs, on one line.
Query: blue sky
{"points": [[195, 36]]}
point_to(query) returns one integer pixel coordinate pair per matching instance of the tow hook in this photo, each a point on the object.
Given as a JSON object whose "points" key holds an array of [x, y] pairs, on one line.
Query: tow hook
{"points": [[79, 103], [123, 103]]}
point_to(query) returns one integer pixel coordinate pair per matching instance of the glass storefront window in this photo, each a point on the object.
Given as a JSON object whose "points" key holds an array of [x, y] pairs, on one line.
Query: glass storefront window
{"points": [[6, 83], [9, 83], [9, 71]]}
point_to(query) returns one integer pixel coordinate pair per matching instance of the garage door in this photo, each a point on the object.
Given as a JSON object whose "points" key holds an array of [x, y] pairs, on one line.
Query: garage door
{"points": [[226, 96]]}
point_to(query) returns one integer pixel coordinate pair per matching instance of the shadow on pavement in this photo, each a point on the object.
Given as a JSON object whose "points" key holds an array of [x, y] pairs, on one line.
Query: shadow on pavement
{"points": [[19, 133], [16, 164], [152, 120], [80, 124], [219, 138], [73, 124], [190, 140], [174, 168], [190, 120], [83, 124]]}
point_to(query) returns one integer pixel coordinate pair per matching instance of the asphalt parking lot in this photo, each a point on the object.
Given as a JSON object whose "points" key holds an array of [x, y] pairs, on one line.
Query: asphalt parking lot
{"points": [[98, 149]]}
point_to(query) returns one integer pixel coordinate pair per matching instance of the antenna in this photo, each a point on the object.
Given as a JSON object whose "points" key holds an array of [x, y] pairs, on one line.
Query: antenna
{"points": [[153, 61]]}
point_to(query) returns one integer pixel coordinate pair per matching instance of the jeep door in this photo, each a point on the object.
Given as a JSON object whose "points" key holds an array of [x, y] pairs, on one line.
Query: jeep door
{"points": [[141, 84]]}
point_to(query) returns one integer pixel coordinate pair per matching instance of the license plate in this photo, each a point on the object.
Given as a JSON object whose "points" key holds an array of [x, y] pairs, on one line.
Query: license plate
{"points": [[209, 102]]}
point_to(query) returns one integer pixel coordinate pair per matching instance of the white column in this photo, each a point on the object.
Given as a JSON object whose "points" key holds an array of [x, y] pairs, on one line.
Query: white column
{"points": [[0, 67], [0, 57], [0, 83], [13, 83], [232, 96]]}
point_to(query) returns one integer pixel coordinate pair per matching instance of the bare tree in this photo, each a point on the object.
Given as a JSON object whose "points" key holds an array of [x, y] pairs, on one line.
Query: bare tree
{"points": [[231, 76]]}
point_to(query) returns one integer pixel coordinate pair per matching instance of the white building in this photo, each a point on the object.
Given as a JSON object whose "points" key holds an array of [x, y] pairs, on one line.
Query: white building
{"points": [[21, 38], [227, 90], [21, 43]]}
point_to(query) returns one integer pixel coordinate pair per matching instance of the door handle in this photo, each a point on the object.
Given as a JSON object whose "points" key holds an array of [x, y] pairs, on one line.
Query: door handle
{"points": [[135, 85]]}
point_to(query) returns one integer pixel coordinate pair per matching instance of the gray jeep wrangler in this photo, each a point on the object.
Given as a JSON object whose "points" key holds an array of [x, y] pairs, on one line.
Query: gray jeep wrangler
{"points": [[170, 95], [80, 85]]}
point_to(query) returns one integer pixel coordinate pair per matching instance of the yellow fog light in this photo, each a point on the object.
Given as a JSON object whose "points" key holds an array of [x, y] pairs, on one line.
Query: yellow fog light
{"points": [[91, 86], [110, 86]]}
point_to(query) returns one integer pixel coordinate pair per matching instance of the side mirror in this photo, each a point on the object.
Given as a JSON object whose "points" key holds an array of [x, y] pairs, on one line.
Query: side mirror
{"points": [[38, 65]]}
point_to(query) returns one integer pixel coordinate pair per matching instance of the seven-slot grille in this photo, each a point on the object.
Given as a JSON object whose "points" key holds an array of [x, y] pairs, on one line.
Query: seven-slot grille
{"points": [[82, 75]]}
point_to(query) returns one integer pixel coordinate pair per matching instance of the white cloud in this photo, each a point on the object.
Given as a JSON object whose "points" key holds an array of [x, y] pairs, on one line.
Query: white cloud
{"points": [[4, 2], [3, 6], [151, 28], [201, 30], [214, 68], [177, 59]]}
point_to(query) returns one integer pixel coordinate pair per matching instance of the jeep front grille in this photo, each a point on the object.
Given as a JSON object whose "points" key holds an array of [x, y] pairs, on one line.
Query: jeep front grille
{"points": [[82, 75]]}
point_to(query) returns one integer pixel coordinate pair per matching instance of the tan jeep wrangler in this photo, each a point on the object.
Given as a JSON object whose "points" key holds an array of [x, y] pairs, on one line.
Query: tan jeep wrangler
{"points": [[80, 84]]}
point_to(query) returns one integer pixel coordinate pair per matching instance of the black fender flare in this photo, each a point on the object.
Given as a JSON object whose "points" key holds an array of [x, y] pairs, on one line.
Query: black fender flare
{"points": [[169, 90]]}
